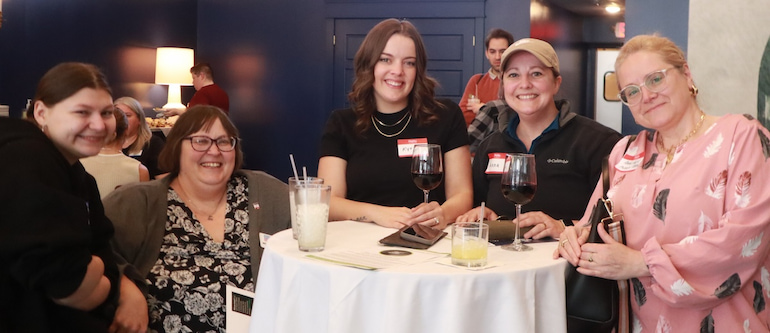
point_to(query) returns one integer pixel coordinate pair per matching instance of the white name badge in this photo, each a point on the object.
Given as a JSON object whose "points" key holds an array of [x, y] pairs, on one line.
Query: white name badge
{"points": [[238, 303], [406, 146], [496, 163], [631, 160]]}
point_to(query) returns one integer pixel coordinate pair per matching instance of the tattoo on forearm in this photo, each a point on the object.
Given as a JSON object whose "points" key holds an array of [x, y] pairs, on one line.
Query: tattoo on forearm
{"points": [[360, 219]]}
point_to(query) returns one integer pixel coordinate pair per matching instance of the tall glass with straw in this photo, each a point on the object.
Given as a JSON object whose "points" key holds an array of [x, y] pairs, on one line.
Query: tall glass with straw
{"points": [[293, 182]]}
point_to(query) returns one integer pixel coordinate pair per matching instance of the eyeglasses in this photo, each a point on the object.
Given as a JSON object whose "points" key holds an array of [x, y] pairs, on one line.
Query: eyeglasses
{"points": [[203, 143], [654, 82]]}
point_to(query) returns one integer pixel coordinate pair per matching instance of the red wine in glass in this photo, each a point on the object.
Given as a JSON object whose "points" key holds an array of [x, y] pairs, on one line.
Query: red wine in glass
{"points": [[519, 184], [427, 181], [519, 194], [427, 167]]}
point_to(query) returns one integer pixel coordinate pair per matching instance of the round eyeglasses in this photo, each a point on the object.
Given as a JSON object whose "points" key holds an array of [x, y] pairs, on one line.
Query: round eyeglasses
{"points": [[203, 143], [654, 82]]}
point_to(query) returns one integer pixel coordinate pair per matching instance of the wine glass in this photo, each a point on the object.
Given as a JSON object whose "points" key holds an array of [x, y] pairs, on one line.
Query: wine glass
{"points": [[427, 167], [519, 184]]}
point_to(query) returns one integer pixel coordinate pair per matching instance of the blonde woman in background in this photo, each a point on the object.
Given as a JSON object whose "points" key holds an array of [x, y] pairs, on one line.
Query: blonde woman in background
{"points": [[140, 143]]}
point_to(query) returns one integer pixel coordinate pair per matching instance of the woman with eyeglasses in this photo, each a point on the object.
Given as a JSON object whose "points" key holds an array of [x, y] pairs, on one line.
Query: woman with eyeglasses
{"points": [[198, 229], [693, 193]]}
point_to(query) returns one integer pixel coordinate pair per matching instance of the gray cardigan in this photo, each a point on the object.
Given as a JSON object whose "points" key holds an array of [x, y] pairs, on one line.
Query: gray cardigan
{"points": [[138, 212]]}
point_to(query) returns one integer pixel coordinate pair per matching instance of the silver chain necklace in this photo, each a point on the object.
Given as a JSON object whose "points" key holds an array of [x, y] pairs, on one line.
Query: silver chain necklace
{"points": [[392, 135]]}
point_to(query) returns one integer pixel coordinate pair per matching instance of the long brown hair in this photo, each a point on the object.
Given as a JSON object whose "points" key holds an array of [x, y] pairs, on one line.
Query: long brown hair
{"points": [[196, 118], [361, 96]]}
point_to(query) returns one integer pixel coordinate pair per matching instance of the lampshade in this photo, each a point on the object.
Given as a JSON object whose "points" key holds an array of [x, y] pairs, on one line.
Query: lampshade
{"points": [[172, 67]]}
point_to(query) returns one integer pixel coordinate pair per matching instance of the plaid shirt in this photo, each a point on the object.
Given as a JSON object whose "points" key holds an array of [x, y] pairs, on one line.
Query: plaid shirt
{"points": [[485, 122]]}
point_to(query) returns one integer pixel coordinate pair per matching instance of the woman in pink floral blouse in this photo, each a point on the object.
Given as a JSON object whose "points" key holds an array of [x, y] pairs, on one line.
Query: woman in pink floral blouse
{"points": [[694, 195]]}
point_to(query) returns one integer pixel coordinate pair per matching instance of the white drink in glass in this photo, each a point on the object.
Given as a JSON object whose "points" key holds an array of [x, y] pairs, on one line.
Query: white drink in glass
{"points": [[312, 219], [312, 202], [292, 202]]}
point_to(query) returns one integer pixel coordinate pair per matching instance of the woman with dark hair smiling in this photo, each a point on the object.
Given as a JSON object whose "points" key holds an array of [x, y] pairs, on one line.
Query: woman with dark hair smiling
{"points": [[198, 229], [59, 272], [393, 106]]}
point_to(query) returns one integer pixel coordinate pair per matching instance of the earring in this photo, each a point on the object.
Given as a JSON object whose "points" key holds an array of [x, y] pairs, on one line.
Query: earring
{"points": [[694, 90], [45, 129]]}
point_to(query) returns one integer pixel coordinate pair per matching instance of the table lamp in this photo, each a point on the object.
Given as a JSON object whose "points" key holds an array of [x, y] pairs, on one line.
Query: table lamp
{"points": [[172, 67]]}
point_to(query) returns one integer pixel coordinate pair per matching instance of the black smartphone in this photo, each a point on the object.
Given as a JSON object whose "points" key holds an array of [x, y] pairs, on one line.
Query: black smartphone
{"points": [[422, 234]]}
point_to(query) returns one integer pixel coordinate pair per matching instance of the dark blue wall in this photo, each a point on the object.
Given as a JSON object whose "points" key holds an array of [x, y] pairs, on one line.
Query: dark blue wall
{"points": [[272, 56], [118, 36]]}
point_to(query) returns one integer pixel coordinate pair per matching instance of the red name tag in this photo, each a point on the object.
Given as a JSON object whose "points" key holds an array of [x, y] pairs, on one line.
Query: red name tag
{"points": [[406, 146], [496, 163]]}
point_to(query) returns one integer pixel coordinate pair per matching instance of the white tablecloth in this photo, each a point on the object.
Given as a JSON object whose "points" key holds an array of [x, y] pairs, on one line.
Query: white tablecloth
{"points": [[523, 293]]}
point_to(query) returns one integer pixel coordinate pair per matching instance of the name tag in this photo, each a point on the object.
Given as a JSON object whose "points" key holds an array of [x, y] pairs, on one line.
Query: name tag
{"points": [[496, 164], [631, 160], [406, 146]]}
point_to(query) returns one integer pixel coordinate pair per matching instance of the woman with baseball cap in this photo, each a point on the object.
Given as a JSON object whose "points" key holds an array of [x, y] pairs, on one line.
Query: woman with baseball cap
{"points": [[568, 148]]}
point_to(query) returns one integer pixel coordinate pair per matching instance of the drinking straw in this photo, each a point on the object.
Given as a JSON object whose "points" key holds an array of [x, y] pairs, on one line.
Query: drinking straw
{"points": [[294, 167], [304, 172], [481, 213]]}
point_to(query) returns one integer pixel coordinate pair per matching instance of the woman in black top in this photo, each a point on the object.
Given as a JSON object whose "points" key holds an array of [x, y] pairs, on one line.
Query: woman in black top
{"points": [[365, 154], [59, 272], [141, 143]]}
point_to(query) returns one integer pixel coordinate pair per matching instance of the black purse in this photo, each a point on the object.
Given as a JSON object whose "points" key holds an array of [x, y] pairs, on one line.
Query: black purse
{"points": [[594, 304]]}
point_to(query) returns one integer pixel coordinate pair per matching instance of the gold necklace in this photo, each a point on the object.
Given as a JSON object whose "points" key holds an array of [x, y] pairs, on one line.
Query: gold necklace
{"points": [[671, 150], [194, 207], [386, 125], [391, 135]]}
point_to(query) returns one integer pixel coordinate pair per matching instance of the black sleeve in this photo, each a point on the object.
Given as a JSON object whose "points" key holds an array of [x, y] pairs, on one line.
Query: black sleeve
{"points": [[333, 139], [458, 132], [150, 155]]}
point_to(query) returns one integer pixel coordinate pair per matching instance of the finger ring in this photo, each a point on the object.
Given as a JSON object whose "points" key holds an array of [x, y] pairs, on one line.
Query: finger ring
{"points": [[544, 225], [591, 258], [564, 242], [436, 219]]}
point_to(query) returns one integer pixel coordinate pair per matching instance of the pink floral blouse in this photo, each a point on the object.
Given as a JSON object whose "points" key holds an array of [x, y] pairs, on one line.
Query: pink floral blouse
{"points": [[701, 224]]}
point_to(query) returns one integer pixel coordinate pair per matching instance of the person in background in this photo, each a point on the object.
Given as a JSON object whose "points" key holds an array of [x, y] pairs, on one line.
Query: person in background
{"points": [[59, 272], [206, 91], [486, 87], [140, 142], [361, 149], [568, 148], [111, 168], [198, 229], [486, 122], [694, 197]]}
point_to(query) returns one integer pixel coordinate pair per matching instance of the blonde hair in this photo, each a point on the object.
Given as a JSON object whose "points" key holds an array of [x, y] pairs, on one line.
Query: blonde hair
{"points": [[143, 135], [663, 46]]}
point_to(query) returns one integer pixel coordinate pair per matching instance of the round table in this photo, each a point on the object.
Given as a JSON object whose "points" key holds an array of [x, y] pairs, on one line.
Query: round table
{"points": [[521, 292]]}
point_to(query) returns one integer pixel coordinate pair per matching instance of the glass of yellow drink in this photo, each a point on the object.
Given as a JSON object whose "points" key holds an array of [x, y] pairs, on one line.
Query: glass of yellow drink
{"points": [[470, 242]]}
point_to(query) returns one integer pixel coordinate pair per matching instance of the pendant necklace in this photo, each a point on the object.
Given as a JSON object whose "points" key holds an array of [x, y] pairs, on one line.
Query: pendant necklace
{"points": [[194, 207], [409, 118], [671, 150]]}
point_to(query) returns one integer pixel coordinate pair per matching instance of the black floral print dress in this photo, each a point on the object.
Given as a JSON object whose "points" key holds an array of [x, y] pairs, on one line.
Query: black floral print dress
{"points": [[187, 282]]}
